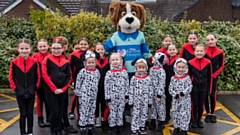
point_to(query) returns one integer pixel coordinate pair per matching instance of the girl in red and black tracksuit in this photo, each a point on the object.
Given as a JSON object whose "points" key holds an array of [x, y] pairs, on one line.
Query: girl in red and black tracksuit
{"points": [[168, 67], [187, 51], [200, 71], [66, 125], [216, 56], [103, 66], [42, 47], [76, 63], [57, 76], [24, 79], [71, 114], [166, 40]]}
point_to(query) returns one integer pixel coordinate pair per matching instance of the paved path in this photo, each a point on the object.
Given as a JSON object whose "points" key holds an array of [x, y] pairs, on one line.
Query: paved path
{"points": [[227, 111]]}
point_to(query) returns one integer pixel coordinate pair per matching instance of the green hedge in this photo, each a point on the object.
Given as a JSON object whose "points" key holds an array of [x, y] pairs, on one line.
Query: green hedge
{"points": [[47, 25]]}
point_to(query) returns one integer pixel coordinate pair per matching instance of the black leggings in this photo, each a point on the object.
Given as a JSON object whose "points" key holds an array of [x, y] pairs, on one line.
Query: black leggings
{"points": [[40, 99], [168, 103], [65, 110], [212, 98], [198, 99], [26, 106], [56, 103], [100, 99]]}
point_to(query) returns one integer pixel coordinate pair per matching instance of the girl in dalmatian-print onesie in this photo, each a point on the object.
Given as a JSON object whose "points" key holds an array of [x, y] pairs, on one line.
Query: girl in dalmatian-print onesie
{"points": [[140, 96], [86, 91], [116, 88], [180, 88], [158, 75]]}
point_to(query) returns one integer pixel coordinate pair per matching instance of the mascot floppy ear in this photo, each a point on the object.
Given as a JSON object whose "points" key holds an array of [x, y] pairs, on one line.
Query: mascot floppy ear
{"points": [[161, 59], [114, 11], [143, 15], [134, 62]]}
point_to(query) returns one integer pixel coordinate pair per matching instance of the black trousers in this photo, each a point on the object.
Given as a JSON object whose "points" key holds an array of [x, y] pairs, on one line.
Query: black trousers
{"points": [[100, 100], [40, 100], [168, 102], [26, 106], [56, 103], [212, 97], [65, 110], [198, 99]]}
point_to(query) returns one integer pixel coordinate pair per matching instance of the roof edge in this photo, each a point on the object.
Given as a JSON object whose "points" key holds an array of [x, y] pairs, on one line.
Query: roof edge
{"points": [[191, 6], [7, 9]]}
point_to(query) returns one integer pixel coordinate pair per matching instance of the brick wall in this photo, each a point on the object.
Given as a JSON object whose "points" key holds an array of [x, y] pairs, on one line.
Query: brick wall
{"points": [[166, 9], [22, 9], [220, 10]]}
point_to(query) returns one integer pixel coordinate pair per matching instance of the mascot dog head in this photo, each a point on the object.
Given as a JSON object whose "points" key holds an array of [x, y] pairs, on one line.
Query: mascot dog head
{"points": [[127, 15]]}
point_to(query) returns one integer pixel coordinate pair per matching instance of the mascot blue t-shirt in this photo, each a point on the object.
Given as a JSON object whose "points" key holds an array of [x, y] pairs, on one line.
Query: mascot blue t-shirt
{"points": [[130, 46]]}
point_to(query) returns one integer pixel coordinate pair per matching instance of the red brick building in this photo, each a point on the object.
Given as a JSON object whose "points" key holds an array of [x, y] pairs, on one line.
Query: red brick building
{"points": [[220, 10]]}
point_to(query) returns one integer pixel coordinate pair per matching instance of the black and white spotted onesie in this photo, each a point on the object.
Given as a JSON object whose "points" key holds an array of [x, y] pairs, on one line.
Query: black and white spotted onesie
{"points": [[86, 91], [158, 75], [116, 89], [140, 96], [181, 106]]}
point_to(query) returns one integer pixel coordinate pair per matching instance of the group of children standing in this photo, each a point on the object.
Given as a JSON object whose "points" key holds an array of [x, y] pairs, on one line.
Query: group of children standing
{"points": [[189, 81]]}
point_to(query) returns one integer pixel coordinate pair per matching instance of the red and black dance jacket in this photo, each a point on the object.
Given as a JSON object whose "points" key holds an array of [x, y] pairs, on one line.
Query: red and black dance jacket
{"points": [[56, 73], [24, 76], [187, 52], [168, 67], [200, 71], [163, 50], [40, 57], [216, 56], [76, 63], [103, 66]]}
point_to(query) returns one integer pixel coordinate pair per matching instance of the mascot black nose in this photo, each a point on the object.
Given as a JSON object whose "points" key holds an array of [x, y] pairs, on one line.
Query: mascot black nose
{"points": [[129, 19]]}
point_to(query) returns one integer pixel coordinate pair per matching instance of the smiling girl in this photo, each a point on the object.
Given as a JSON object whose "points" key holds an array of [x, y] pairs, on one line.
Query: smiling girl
{"points": [[42, 47], [57, 76], [200, 72], [24, 79]]}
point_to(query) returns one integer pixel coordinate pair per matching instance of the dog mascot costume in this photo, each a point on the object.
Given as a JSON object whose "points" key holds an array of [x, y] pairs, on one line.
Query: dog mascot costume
{"points": [[129, 41]]}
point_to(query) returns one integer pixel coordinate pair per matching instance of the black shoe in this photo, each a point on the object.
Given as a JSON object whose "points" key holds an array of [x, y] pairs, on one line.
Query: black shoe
{"points": [[176, 131], [213, 118], [53, 132], [194, 124], [134, 132], [71, 115], [200, 124], [92, 131], [70, 129], [47, 123], [207, 119], [160, 126], [40, 122], [120, 130], [83, 132], [59, 132], [152, 125], [105, 125], [142, 131], [113, 131], [184, 133]]}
